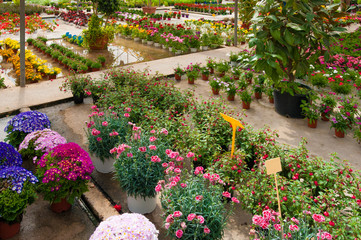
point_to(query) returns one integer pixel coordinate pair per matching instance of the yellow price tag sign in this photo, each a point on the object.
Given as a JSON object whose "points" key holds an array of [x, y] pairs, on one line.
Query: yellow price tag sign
{"points": [[235, 123]]}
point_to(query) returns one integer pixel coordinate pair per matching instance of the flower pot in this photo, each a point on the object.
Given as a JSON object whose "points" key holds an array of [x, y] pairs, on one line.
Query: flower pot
{"points": [[144, 41], [149, 10], [211, 70], [233, 63], [136, 39], [339, 134], [288, 105], [258, 95], [150, 43], [205, 77], [61, 206], [157, 45], [230, 97], [193, 50], [164, 46], [204, 48], [249, 80], [178, 52], [177, 77], [105, 166], [170, 49], [246, 105], [139, 205], [221, 74], [53, 76], [325, 117], [312, 123], [215, 91], [271, 100], [7, 230], [78, 99], [190, 80], [235, 77], [100, 43]]}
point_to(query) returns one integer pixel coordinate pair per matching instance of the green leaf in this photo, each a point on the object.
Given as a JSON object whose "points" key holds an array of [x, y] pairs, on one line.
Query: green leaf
{"points": [[295, 26], [289, 37], [276, 34]]}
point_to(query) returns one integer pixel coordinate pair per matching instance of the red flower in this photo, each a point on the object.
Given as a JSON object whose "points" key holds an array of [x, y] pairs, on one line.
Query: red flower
{"points": [[331, 223], [118, 207]]}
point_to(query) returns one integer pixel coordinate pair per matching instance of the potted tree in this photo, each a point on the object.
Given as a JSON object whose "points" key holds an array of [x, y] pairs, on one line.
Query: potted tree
{"points": [[288, 37], [149, 9]]}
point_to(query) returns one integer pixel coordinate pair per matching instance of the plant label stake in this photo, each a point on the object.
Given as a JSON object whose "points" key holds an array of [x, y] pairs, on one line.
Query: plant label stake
{"points": [[274, 166], [235, 123]]}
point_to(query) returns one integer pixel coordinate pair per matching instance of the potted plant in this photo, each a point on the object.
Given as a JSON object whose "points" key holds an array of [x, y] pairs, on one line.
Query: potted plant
{"points": [[211, 64], [76, 84], [102, 60], [233, 58], [205, 73], [104, 131], [185, 216], [222, 68], [340, 123], [148, 153], [204, 42], [127, 224], [148, 9], [231, 90], [96, 66], [96, 89], [64, 173], [257, 89], [178, 72], [23, 124], [311, 112], [216, 85], [236, 72], [192, 74], [248, 76], [193, 43], [97, 37], [328, 103], [37, 143], [287, 32], [269, 92], [17, 191], [245, 98]]}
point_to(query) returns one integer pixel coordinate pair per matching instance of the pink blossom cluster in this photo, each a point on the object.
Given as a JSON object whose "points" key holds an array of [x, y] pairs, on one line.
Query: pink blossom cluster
{"points": [[120, 149], [191, 217], [269, 216]]}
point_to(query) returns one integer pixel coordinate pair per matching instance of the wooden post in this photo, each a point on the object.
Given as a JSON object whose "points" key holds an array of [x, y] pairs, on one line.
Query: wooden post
{"points": [[22, 43]]}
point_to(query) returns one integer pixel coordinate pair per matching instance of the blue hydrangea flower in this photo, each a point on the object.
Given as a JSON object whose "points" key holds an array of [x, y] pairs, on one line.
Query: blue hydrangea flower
{"points": [[9, 156], [28, 122], [15, 177]]}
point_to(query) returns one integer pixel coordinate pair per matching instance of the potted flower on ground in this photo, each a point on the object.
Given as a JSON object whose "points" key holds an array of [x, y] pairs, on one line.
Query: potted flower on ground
{"points": [[76, 84], [64, 173], [248, 76], [222, 68], [328, 103], [129, 225], [192, 73], [216, 85], [233, 57], [205, 73], [139, 166], [311, 112], [211, 64], [193, 43], [178, 72], [24, 123], [245, 98], [340, 123], [104, 131], [269, 92], [236, 72], [9, 156], [17, 191], [258, 89], [231, 90]]}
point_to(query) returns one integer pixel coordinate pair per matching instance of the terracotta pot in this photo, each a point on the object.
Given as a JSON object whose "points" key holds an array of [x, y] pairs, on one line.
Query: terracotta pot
{"points": [[204, 77], [211, 70], [190, 80], [52, 76], [246, 105], [249, 80], [99, 44], [215, 91], [177, 77], [221, 74], [7, 231], [61, 206], [258, 95], [312, 124], [271, 100], [325, 117], [230, 97], [339, 134], [236, 77]]}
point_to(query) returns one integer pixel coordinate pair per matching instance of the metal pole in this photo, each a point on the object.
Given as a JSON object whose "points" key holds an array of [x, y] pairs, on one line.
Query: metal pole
{"points": [[22, 43], [235, 23], [77, 6]]}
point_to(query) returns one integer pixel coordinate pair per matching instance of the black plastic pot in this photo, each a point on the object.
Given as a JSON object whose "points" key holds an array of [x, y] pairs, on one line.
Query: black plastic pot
{"points": [[78, 99], [288, 105]]}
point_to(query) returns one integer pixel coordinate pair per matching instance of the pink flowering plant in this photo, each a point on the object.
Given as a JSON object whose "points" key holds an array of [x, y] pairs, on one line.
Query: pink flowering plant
{"points": [[37, 143], [126, 226], [105, 129], [139, 162], [268, 226], [192, 204], [64, 173]]}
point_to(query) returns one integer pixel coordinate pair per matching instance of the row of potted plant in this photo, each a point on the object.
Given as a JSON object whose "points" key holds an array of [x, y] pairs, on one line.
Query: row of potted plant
{"points": [[79, 18], [78, 40], [67, 57], [213, 9]]}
